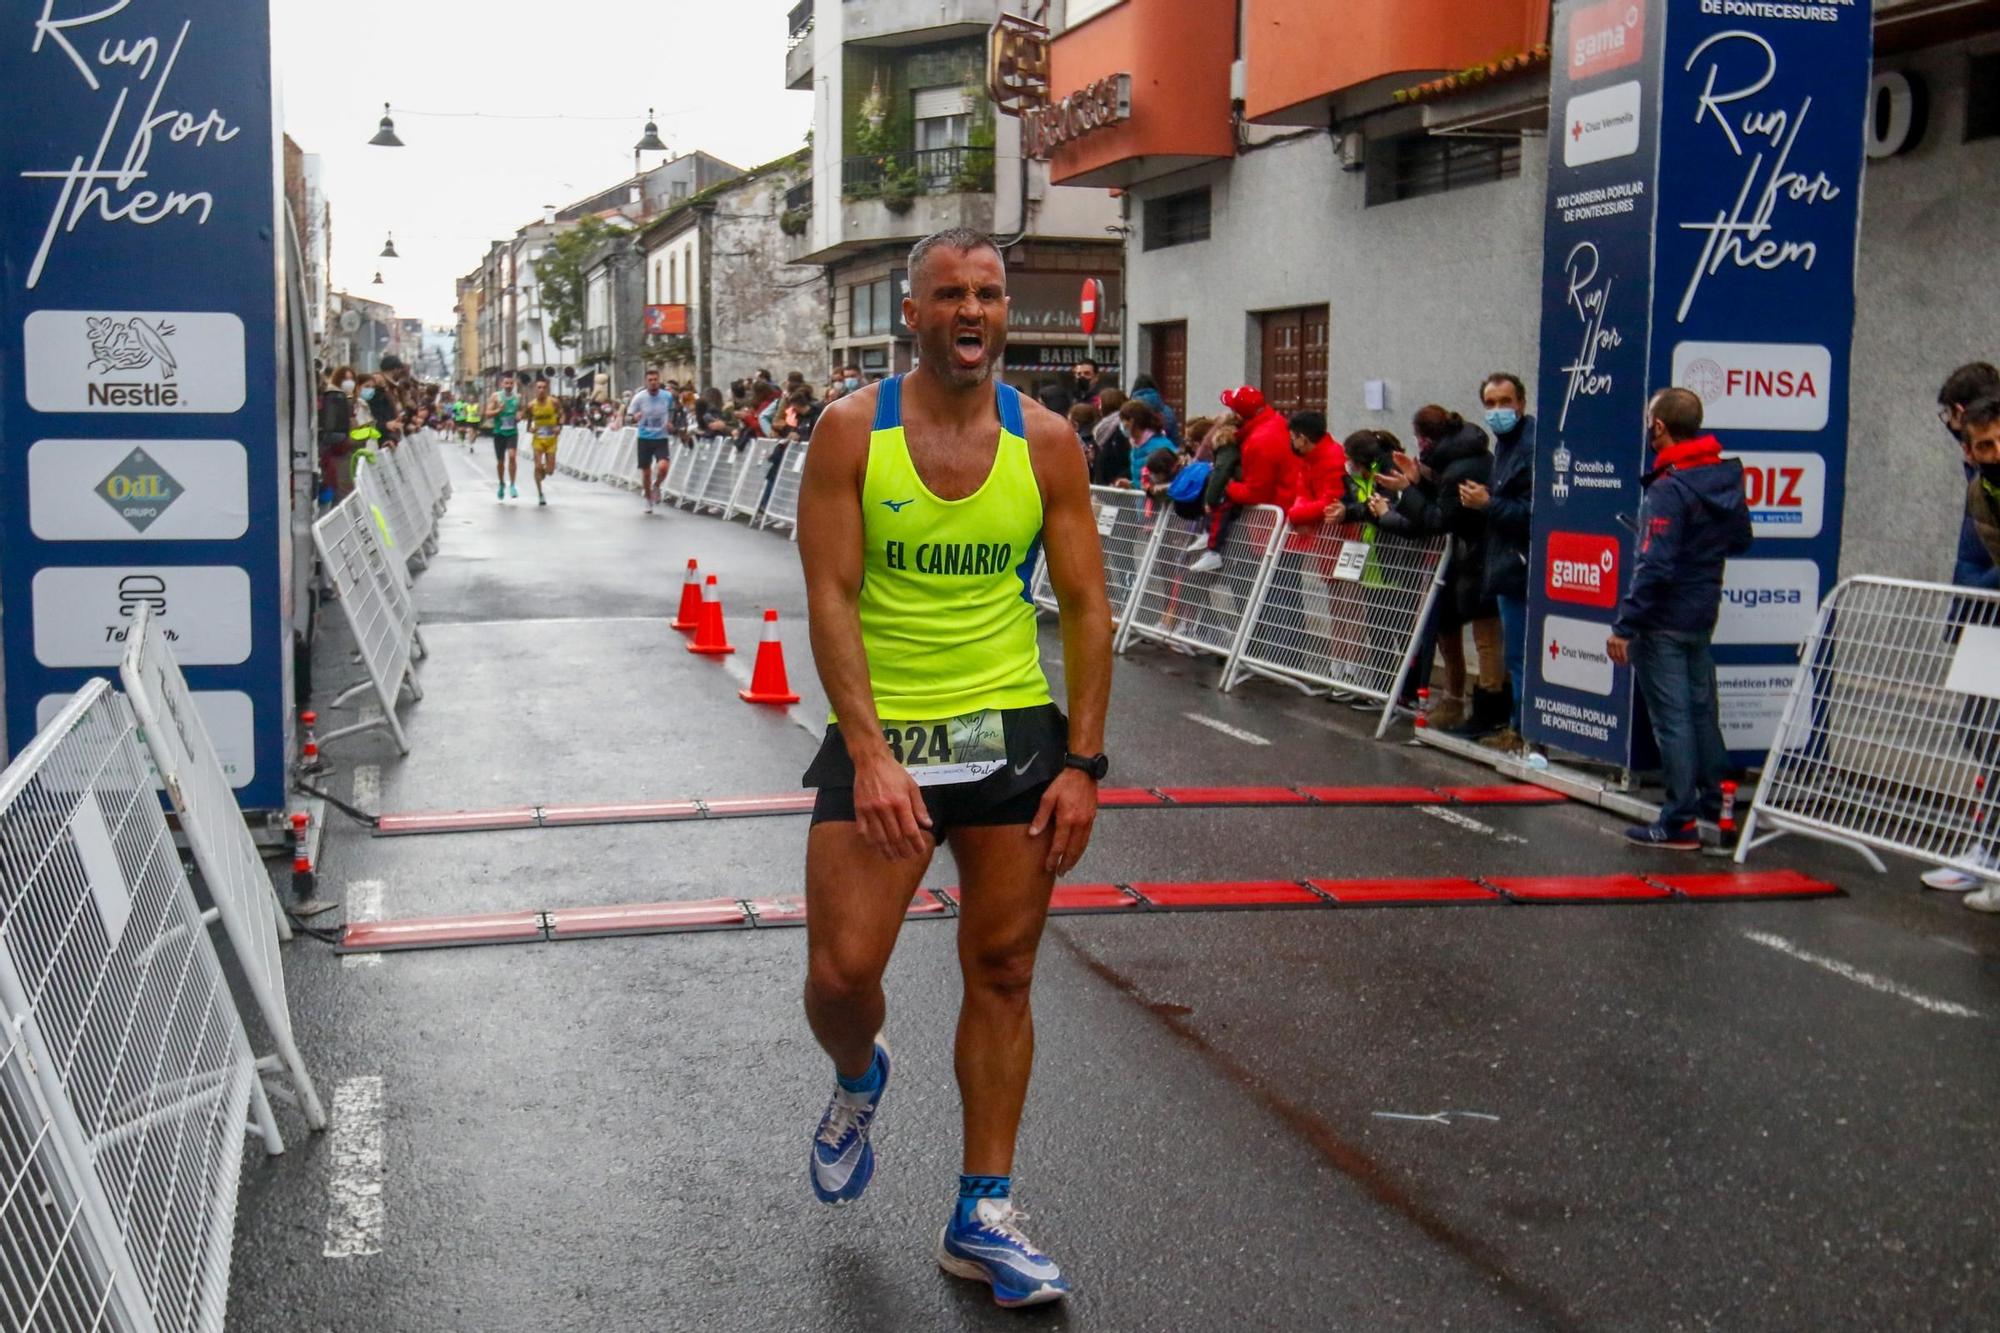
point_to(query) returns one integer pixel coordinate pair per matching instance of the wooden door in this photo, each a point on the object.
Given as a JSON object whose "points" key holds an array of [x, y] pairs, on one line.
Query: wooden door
{"points": [[1294, 364], [1169, 363]]}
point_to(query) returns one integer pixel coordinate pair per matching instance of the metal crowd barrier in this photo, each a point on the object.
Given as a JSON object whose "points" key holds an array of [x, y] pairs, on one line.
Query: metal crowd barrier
{"points": [[1342, 612], [231, 868], [680, 466], [621, 465], [720, 482], [1204, 612], [783, 506], [1890, 736], [1129, 527], [746, 498], [707, 453], [388, 502], [377, 606], [126, 1077]]}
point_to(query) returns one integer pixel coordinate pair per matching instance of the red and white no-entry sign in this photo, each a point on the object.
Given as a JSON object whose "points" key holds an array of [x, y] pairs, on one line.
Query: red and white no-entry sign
{"points": [[1093, 297]]}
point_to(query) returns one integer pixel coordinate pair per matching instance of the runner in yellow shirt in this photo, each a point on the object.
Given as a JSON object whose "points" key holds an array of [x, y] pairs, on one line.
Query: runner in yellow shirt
{"points": [[545, 422]]}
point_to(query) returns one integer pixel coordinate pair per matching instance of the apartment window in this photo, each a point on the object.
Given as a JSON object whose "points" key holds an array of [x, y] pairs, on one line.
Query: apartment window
{"points": [[943, 117], [1982, 98], [673, 279], [868, 308], [1177, 219], [659, 292], [1421, 164], [679, 190]]}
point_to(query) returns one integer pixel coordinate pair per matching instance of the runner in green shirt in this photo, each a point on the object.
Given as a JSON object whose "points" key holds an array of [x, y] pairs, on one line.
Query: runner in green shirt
{"points": [[504, 410]]}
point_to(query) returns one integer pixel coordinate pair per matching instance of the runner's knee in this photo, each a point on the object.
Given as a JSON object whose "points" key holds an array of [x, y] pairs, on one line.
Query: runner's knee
{"points": [[1005, 972], [837, 978]]}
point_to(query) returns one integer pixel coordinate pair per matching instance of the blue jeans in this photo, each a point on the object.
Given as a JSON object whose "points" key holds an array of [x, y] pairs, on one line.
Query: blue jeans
{"points": [[1676, 675], [1514, 647]]}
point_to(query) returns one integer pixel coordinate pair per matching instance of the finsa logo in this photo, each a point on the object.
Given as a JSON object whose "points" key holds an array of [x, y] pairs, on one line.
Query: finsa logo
{"points": [[1583, 568], [128, 345], [1605, 37], [1757, 386]]}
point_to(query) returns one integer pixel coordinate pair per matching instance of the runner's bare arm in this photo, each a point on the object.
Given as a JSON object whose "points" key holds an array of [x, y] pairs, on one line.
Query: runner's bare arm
{"points": [[888, 807], [1076, 572]]}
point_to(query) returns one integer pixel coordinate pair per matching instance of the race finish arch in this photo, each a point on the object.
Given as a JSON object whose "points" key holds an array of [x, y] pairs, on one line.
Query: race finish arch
{"points": [[142, 463], [1704, 199]]}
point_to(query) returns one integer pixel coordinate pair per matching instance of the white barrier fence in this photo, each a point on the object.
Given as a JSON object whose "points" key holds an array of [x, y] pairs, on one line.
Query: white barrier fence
{"points": [[125, 1073], [1890, 737], [231, 868], [377, 605], [783, 506], [1343, 608]]}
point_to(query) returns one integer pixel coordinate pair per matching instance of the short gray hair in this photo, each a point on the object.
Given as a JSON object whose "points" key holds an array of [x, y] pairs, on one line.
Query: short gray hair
{"points": [[963, 239]]}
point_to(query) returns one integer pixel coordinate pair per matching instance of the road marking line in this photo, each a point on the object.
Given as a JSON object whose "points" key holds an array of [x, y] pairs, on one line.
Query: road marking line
{"points": [[1323, 723], [430, 625], [368, 787], [356, 1209], [1247, 737], [1852, 973], [364, 903], [1469, 824]]}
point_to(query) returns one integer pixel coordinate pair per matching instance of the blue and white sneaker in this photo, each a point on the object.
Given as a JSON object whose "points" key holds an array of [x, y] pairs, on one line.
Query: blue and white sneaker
{"points": [[843, 1161], [984, 1243]]}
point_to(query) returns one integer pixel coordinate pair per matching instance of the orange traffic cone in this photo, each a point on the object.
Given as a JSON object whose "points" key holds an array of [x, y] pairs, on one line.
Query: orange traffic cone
{"points": [[709, 635], [689, 616], [768, 684]]}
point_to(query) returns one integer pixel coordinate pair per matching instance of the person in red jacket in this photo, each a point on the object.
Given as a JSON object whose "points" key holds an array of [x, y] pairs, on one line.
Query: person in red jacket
{"points": [[1269, 471], [1322, 474]]}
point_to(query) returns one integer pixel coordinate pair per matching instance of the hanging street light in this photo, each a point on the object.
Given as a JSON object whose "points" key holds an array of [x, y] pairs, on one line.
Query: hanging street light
{"points": [[385, 136], [378, 280], [389, 248]]}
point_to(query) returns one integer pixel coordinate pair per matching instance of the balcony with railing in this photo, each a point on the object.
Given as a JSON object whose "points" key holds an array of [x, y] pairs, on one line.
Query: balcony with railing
{"points": [[897, 179], [799, 47], [597, 344]]}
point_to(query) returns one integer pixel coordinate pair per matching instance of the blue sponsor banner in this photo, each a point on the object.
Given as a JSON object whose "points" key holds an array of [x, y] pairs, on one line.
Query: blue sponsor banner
{"points": [[1596, 304], [1704, 191], [140, 458], [1763, 107]]}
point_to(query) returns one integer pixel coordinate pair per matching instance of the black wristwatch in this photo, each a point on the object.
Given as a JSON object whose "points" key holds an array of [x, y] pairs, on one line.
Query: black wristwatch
{"points": [[1097, 765]]}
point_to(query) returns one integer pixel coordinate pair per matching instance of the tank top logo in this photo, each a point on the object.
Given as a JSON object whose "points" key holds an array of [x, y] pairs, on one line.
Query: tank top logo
{"points": [[950, 558]]}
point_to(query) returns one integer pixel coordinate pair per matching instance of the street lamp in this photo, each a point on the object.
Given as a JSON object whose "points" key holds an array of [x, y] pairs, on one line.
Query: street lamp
{"points": [[385, 136], [389, 247], [378, 279]]}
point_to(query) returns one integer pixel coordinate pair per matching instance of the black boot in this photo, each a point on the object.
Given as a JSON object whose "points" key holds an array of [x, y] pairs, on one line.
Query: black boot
{"points": [[1489, 712]]}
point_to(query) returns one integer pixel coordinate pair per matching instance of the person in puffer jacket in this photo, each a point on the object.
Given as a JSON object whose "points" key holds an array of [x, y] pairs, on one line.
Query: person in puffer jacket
{"points": [[1692, 518]]}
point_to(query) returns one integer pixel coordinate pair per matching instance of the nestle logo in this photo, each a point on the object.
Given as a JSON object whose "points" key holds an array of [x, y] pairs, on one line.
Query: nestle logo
{"points": [[1605, 37], [1583, 569], [114, 393]]}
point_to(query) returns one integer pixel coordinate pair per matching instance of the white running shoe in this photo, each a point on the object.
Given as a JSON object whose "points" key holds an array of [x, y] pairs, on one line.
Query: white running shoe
{"points": [[1984, 900], [1200, 543], [1947, 879], [1207, 563]]}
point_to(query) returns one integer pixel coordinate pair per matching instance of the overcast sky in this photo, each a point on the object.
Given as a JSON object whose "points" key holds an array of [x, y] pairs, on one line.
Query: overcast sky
{"points": [[714, 68]]}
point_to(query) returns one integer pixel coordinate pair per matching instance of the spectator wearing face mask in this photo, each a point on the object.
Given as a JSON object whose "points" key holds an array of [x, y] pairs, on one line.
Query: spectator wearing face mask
{"points": [[1507, 502]]}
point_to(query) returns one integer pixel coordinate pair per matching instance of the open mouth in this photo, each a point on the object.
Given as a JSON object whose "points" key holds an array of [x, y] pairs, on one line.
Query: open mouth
{"points": [[969, 346]]}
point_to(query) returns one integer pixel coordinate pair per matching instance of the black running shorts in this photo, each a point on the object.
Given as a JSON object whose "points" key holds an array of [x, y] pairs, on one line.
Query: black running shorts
{"points": [[504, 445], [651, 451], [1036, 739]]}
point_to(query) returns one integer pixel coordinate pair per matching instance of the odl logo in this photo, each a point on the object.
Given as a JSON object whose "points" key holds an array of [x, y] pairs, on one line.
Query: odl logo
{"points": [[1582, 568]]}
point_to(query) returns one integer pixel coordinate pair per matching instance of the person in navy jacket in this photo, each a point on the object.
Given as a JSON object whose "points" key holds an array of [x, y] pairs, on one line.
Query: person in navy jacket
{"points": [[1692, 518]]}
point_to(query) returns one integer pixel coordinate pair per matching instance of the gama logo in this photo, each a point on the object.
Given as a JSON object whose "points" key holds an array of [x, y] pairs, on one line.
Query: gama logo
{"points": [[1605, 36], [1582, 568]]}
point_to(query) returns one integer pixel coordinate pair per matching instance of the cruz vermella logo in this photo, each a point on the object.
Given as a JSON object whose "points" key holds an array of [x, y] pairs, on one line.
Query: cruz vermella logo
{"points": [[125, 346], [1582, 568]]}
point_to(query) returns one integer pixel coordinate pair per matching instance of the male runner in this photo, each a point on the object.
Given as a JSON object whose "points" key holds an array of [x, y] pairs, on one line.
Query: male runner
{"points": [[922, 504], [545, 420], [652, 411], [503, 409]]}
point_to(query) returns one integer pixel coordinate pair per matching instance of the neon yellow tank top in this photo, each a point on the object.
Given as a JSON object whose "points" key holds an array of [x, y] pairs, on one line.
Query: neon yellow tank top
{"points": [[945, 613]]}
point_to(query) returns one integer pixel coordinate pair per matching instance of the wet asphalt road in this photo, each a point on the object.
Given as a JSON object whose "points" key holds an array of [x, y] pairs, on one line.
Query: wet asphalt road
{"points": [[1691, 1126]]}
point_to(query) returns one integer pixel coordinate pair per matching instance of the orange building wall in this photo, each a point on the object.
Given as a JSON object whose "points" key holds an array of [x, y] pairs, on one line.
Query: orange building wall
{"points": [[1299, 50], [1178, 54]]}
